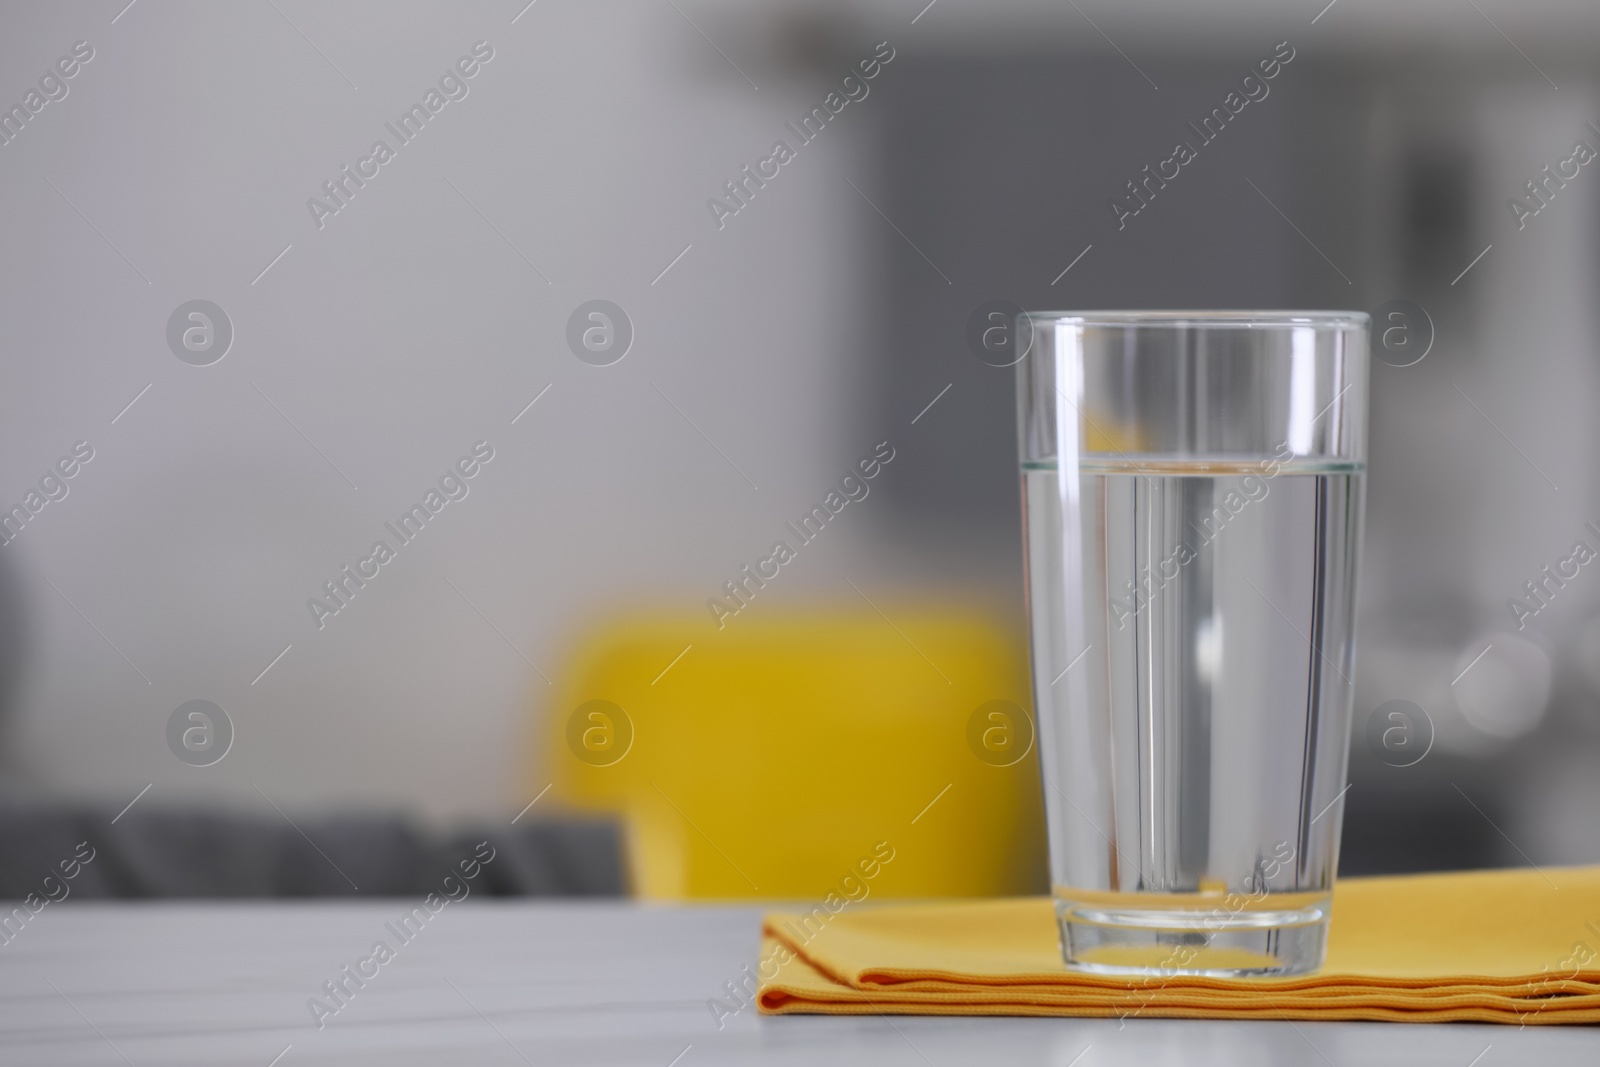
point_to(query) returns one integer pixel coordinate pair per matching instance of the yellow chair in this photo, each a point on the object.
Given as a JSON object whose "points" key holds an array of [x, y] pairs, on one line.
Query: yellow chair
{"points": [[791, 749]]}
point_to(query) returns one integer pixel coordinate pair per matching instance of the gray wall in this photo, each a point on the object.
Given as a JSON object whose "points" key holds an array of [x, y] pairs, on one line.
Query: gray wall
{"points": [[371, 356], [426, 314]]}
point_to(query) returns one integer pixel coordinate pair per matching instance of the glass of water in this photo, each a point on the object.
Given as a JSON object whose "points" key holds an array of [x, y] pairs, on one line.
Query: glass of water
{"points": [[1192, 490]]}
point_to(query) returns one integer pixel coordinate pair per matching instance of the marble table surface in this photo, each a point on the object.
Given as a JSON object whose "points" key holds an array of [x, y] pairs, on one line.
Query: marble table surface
{"points": [[530, 982]]}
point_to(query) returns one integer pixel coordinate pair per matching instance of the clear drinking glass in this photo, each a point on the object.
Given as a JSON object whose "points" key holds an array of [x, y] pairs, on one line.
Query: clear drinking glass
{"points": [[1192, 492]]}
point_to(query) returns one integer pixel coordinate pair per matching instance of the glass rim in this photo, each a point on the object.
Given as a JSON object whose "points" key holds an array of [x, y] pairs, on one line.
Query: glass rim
{"points": [[1214, 319]]}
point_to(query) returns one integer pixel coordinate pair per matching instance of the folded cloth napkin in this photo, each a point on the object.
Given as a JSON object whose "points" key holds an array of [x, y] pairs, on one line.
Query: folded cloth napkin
{"points": [[1517, 946]]}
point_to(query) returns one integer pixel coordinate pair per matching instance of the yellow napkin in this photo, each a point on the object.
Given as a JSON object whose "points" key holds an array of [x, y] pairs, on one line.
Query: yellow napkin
{"points": [[1520, 946]]}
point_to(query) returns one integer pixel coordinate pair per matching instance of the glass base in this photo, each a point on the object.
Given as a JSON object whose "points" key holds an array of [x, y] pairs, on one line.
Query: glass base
{"points": [[1263, 941]]}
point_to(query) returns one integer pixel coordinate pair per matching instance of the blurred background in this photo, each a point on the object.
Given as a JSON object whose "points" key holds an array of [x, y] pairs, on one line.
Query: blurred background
{"points": [[764, 336]]}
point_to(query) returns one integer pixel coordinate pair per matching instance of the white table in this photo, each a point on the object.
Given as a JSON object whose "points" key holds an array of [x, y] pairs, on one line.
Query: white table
{"points": [[565, 983]]}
